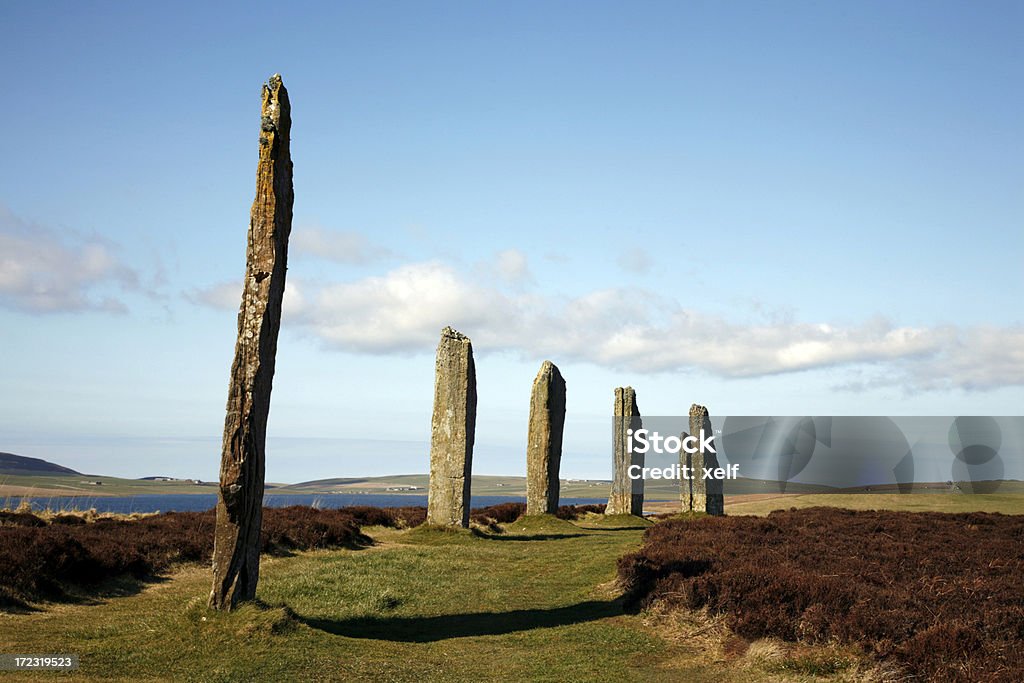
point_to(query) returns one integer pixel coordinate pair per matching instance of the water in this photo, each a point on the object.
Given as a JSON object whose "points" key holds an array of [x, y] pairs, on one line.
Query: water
{"points": [[192, 502]]}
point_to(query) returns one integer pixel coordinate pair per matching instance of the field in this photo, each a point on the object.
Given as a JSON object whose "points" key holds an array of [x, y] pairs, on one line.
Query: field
{"points": [[744, 496], [1011, 503], [534, 603], [536, 599], [483, 485], [61, 487]]}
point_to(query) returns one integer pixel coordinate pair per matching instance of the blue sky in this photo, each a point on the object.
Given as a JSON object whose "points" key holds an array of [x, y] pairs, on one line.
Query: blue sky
{"points": [[785, 208]]}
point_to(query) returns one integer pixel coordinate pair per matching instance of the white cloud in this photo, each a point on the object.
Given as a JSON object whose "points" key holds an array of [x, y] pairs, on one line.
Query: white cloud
{"points": [[403, 310], [348, 247], [47, 271], [978, 358], [400, 311]]}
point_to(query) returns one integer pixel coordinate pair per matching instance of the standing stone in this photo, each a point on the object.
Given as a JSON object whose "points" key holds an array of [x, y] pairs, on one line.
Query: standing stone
{"points": [[627, 495], [544, 440], [686, 483], [236, 551], [699, 494], [707, 493], [452, 431]]}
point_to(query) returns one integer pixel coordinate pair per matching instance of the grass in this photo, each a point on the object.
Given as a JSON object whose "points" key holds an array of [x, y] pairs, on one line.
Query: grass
{"points": [[1010, 503], [536, 602]]}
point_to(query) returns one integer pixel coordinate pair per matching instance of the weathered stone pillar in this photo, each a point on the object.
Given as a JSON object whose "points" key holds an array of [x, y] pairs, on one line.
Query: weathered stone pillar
{"points": [[544, 440], [627, 495], [236, 551], [452, 431], [685, 483], [707, 493], [699, 494]]}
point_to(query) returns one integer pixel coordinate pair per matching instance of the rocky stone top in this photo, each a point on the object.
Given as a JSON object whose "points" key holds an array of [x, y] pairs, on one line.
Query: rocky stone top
{"points": [[451, 333]]}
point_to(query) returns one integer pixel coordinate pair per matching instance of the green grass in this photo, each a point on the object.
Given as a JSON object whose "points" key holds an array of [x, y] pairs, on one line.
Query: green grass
{"points": [[534, 603]]}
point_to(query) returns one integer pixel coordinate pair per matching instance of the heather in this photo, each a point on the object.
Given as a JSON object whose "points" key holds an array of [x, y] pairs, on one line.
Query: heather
{"points": [[938, 594]]}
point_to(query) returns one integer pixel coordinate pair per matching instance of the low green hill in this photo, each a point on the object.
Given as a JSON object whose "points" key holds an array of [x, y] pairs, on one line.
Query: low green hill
{"points": [[20, 464]]}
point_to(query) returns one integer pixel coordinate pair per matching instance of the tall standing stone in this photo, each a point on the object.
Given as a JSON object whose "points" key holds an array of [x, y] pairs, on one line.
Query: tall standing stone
{"points": [[627, 495], [699, 494], [236, 552], [544, 440], [687, 482], [707, 493], [452, 431]]}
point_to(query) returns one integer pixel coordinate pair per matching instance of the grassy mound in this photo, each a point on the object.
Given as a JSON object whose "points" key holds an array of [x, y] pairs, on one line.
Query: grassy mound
{"points": [[614, 522], [430, 534], [541, 525]]}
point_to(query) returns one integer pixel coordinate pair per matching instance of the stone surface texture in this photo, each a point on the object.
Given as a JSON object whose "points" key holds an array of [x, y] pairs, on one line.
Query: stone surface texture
{"points": [[708, 494], [627, 495], [236, 556], [685, 485], [452, 431], [544, 440]]}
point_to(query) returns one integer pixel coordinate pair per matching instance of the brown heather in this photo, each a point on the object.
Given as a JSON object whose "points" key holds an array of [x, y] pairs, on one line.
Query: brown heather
{"points": [[941, 595]]}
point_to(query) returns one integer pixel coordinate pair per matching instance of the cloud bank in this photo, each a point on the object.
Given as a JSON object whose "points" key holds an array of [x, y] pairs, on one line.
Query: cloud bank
{"points": [[403, 310]]}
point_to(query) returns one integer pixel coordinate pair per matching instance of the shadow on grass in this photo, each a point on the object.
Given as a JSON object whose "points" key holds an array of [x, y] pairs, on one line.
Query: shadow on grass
{"points": [[431, 629], [11, 604], [75, 594], [528, 537]]}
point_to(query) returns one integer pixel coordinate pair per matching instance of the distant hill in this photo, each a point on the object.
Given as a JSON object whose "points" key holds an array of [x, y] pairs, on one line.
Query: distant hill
{"points": [[324, 483], [20, 464]]}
